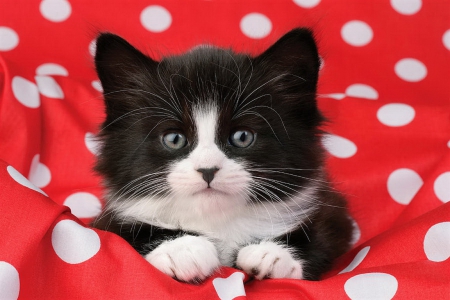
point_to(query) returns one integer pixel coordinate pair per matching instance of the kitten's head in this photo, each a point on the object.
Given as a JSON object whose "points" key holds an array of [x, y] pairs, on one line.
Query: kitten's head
{"points": [[209, 132]]}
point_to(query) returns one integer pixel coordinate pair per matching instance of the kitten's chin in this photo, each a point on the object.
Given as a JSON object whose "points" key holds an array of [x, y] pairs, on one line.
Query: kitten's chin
{"points": [[212, 201]]}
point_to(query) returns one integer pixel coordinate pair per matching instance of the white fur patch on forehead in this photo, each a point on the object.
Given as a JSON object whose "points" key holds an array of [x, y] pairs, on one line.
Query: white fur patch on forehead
{"points": [[206, 119]]}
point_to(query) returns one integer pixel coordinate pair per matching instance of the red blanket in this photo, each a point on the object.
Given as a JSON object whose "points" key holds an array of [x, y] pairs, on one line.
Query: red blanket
{"points": [[384, 85]]}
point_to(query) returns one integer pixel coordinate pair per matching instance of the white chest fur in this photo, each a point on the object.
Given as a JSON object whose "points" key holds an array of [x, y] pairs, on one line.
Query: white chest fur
{"points": [[238, 227]]}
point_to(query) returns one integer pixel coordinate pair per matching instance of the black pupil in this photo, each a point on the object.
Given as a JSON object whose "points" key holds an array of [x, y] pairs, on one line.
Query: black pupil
{"points": [[243, 136], [175, 139]]}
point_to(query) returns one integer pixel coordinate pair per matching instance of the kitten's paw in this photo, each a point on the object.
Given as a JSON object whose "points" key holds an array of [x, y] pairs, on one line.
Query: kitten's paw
{"points": [[269, 260], [188, 258]]}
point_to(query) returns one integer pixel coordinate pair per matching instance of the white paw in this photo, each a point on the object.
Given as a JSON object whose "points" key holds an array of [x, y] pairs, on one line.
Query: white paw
{"points": [[188, 258], [269, 260]]}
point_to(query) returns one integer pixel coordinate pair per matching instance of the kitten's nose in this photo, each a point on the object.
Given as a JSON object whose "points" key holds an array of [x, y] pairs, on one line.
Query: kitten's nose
{"points": [[208, 173]]}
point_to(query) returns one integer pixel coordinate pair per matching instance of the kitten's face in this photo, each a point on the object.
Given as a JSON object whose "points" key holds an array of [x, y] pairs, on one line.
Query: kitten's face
{"points": [[207, 178], [210, 131]]}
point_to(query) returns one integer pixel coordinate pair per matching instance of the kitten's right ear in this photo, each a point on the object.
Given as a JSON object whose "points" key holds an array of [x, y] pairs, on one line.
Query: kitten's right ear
{"points": [[119, 65], [294, 53]]}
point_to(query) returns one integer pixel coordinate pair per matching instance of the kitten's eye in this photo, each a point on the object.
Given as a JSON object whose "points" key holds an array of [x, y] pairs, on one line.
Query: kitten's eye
{"points": [[174, 140], [242, 138]]}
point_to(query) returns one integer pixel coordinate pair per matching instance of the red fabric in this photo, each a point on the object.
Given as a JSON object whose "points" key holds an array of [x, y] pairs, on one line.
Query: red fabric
{"points": [[384, 86]]}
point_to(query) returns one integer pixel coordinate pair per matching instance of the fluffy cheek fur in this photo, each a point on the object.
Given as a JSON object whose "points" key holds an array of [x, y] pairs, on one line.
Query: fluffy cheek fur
{"points": [[226, 192]]}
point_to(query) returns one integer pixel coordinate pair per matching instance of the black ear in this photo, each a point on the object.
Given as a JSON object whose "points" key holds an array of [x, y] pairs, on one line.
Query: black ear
{"points": [[296, 54], [117, 62], [123, 71]]}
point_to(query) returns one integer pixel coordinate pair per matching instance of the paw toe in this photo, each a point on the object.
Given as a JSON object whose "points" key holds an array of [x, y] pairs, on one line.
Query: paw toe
{"points": [[189, 258], [254, 271], [268, 260]]}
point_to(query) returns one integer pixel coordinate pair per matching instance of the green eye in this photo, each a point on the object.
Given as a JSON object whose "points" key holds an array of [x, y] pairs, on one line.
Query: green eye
{"points": [[242, 138], [174, 140]]}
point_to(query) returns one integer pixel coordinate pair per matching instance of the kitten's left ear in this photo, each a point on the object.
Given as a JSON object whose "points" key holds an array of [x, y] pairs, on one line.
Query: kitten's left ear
{"points": [[123, 71], [295, 53], [119, 65]]}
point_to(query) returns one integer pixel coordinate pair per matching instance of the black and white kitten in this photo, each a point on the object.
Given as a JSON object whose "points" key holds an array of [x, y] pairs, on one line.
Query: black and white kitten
{"points": [[214, 158]]}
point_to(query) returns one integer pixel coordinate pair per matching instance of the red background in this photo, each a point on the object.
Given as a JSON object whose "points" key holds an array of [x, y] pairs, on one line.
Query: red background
{"points": [[395, 230]]}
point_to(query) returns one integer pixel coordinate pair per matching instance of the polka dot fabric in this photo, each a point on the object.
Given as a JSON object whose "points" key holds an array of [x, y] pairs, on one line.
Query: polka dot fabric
{"points": [[383, 85]]}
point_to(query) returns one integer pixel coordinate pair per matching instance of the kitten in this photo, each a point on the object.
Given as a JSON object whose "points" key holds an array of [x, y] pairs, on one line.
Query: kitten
{"points": [[214, 158]]}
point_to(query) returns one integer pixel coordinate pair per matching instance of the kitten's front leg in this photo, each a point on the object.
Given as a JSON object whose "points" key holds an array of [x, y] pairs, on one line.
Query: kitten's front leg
{"points": [[179, 254], [269, 260], [188, 258]]}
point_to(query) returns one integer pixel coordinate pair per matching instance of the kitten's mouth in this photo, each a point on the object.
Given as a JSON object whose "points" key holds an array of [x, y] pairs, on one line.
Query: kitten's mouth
{"points": [[209, 191]]}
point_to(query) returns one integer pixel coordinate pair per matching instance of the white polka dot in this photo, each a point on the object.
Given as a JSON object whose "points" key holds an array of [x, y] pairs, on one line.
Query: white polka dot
{"points": [[448, 144], [20, 179], [437, 242], [9, 281], [321, 63], [446, 39], [8, 39], [26, 92], [335, 96], [230, 287], [307, 3], [356, 234], [380, 286], [403, 185], [93, 47], [339, 146], [48, 87], [396, 114], [410, 69], [97, 85], [359, 90], [357, 33], [83, 205], [92, 144], [156, 18], [357, 260], [406, 7], [51, 69], [256, 25], [39, 174], [74, 243], [55, 10], [442, 187]]}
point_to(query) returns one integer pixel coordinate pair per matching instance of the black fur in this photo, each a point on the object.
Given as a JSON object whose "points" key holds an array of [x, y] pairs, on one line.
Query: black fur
{"points": [[285, 118], [141, 236], [324, 238]]}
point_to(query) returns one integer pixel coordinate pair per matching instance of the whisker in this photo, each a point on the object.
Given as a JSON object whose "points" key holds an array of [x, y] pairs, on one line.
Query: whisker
{"points": [[261, 86], [259, 115], [173, 105], [268, 107], [238, 113], [249, 78]]}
